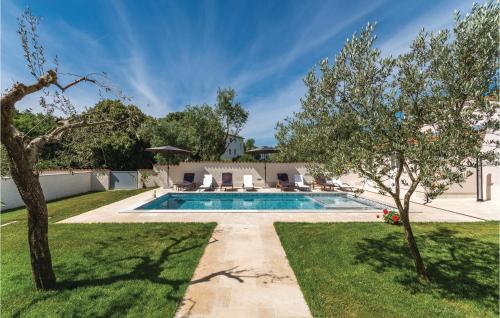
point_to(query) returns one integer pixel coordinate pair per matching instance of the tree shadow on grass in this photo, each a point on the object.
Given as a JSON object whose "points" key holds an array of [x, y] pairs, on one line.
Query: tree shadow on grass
{"points": [[460, 268], [146, 268]]}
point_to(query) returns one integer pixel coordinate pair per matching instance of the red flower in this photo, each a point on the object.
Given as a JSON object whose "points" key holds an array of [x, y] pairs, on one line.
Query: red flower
{"points": [[395, 218], [386, 211]]}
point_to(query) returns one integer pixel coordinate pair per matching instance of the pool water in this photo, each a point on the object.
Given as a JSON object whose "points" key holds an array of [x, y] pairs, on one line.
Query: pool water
{"points": [[257, 201]]}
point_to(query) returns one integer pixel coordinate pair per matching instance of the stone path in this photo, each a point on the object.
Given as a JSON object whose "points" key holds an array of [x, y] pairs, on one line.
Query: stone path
{"points": [[244, 273]]}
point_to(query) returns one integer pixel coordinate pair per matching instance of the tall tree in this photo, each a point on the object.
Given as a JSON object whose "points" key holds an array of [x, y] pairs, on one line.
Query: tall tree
{"points": [[197, 128], [23, 152], [416, 120], [206, 131], [232, 115], [118, 146], [202, 129], [249, 144]]}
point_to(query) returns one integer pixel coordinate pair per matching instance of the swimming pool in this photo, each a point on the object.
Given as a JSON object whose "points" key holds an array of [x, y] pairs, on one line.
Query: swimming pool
{"points": [[258, 201]]}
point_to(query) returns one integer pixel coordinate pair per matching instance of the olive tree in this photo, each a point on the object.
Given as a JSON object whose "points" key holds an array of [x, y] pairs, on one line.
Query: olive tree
{"points": [[22, 152], [415, 120]]}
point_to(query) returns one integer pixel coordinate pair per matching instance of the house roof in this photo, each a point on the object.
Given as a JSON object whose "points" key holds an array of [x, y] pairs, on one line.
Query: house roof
{"points": [[235, 136]]}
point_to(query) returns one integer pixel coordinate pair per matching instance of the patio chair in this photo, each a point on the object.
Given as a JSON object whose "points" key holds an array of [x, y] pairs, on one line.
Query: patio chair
{"points": [[187, 183], [207, 182], [300, 184], [248, 182], [336, 182], [283, 182], [227, 181], [321, 182]]}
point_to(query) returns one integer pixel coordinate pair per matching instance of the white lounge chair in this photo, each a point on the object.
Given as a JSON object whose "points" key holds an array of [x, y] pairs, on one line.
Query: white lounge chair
{"points": [[336, 182], [207, 182], [299, 182], [248, 182]]}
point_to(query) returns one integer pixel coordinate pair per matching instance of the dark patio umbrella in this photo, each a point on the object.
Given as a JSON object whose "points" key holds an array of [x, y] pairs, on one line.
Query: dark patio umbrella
{"points": [[168, 150], [263, 151]]}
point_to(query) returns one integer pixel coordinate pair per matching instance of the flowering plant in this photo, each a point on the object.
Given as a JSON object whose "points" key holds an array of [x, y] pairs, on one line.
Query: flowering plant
{"points": [[391, 217]]}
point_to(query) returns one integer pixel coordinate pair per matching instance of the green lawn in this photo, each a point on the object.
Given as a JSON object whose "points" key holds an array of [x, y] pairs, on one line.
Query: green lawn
{"points": [[365, 269], [103, 270], [67, 207]]}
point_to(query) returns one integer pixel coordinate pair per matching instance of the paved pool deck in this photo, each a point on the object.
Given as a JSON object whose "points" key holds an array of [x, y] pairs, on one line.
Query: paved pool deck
{"points": [[244, 271], [445, 210]]}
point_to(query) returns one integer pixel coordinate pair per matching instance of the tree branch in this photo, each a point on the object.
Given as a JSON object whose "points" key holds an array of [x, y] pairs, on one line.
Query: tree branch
{"points": [[57, 134], [408, 170], [398, 173], [20, 90], [79, 80], [410, 191], [376, 180]]}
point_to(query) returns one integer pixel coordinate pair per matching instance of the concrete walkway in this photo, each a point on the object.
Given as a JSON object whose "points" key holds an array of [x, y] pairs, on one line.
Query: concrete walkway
{"points": [[244, 273]]}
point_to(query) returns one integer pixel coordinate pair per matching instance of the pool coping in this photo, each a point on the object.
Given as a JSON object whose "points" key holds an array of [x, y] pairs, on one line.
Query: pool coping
{"points": [[134, 208]]}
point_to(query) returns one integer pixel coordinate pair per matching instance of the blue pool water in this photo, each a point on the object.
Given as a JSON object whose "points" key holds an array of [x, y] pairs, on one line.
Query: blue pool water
{"points": [[257, 201]]}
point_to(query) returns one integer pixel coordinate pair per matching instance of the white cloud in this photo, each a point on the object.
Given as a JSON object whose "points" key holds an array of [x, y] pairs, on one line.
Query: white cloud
{"points": [[316, 35], [265, 112], [439, 18], [135, 71]]}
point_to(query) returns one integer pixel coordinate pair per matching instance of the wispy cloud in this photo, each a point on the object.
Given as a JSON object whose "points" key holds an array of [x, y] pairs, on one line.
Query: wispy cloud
{"points": [[323, 25], [267, 111], [439, 18], [166, 54], [317, 34], [285, 98], [135, 71]]}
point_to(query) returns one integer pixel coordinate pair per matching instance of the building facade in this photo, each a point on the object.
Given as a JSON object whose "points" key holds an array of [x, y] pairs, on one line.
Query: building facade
{"points": [[235, 147]]}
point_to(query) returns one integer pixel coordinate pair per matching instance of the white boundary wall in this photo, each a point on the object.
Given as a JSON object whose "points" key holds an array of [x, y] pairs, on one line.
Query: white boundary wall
{"points": [[62, 184], [491, 175], [56, 185], [256, 169]]}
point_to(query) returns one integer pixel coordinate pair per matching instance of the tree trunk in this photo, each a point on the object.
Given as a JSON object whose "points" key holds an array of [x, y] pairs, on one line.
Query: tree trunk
{"points": [[31, 192], [412, 244]]}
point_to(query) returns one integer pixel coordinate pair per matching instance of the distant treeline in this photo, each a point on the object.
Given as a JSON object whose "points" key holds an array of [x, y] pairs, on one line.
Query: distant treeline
{"points": [[121, 144]]}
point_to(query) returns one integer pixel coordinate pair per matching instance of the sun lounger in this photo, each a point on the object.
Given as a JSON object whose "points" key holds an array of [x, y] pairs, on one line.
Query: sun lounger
{"points": [[299, 183], [336, 182], [207, 182], [321, 182], [187, 182], [248, 182], [283, 182], [227, 181]]}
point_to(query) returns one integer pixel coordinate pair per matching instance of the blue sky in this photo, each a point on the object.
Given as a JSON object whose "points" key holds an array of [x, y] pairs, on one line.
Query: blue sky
{"points": [[168, 54]]}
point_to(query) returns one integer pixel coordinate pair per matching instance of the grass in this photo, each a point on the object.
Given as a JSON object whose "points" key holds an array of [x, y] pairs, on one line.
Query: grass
{"points": [[64, 208], [365, 269], [102, 270]]}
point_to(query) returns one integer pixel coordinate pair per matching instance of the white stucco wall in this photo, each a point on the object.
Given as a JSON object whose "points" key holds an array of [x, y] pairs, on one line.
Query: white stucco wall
{"points": [[467, 189], [55, 186], [147, 178], [256, 169], [235, 148], [100, 180]]}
